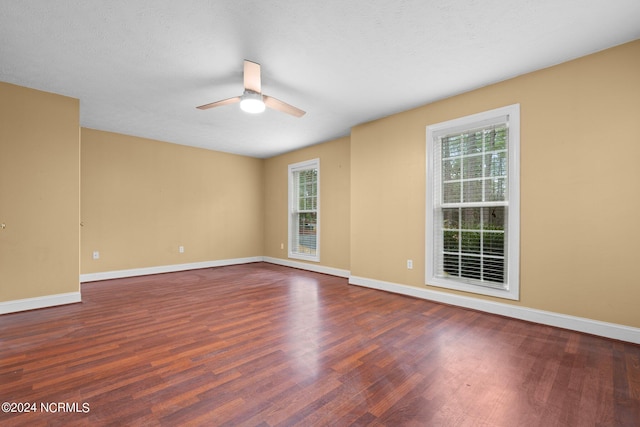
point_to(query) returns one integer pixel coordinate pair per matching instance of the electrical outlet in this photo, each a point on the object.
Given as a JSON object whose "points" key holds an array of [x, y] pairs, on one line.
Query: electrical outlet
{"points": [[409, 264], [96, 255], [181, 249]]}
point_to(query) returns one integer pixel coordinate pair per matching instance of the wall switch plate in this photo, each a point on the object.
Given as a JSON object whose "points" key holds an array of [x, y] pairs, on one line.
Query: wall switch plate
{"points": [[281, 245], [409, 264], [181, 249], [96, 255]]}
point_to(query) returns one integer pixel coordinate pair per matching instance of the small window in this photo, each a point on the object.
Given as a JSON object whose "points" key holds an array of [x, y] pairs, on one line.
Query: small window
{"points": [[304, 210], [473, 203]]}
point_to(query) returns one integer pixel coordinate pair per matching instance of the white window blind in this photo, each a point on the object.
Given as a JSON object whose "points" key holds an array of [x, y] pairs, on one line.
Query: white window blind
{"points": [[304, 180], [473, 166]]}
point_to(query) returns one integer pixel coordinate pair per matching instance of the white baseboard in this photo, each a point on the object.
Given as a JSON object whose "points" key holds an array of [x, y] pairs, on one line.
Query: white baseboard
{"points": [[118, 274], [39, 302], [580, 324], [310, 267]]}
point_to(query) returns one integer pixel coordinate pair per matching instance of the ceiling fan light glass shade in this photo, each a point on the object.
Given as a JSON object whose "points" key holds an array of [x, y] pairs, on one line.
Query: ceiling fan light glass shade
{"points": [[252, 103]]}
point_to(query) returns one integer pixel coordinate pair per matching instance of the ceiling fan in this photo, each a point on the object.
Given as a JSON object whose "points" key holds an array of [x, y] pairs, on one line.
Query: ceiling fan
{"points": [[252, 100]]}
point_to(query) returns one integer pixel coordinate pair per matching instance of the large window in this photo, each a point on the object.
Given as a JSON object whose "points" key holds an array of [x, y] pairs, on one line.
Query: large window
{"points": [[304, 209], [473, 203]]}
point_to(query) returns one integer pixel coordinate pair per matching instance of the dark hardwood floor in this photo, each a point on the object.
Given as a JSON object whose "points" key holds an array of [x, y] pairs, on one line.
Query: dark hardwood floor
{"points": [[265, 345]]}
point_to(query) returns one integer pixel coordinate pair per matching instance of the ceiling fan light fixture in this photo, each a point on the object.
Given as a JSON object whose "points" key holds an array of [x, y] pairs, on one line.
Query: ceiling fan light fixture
{"points": [[252, 102]]}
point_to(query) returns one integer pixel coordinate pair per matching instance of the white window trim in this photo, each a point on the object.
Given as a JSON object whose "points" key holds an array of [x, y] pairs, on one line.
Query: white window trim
{"points": [[512, 285], [308, 164]]}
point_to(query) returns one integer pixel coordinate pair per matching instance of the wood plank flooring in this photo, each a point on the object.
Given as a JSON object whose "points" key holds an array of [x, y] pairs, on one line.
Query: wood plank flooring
{"points": [[265, 345]]}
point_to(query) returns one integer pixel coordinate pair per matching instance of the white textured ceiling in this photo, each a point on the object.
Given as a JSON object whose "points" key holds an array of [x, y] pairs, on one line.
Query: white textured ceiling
{"points": [[140, 67]]}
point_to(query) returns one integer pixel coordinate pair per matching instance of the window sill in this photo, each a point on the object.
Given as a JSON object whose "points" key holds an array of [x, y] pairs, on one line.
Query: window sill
{"points": [[312, 258], [510, 293]]}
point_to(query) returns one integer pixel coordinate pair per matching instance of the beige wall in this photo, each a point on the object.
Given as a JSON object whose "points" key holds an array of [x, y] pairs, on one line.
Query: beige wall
{"points": [[39, 193], [334, 201], [580, 186], [142, 199]]}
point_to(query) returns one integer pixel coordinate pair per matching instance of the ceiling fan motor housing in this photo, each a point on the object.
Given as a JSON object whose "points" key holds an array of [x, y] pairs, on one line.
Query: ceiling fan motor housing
{"points": [[252, 102]]}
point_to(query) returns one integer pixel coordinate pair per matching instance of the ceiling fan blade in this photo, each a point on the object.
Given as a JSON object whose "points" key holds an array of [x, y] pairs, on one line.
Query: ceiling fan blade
{"points": [[276, 104], [252, 76], [220, 103]]}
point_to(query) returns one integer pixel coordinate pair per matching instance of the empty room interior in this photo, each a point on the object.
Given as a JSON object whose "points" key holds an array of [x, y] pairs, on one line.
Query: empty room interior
{"points": [[433, 221]]}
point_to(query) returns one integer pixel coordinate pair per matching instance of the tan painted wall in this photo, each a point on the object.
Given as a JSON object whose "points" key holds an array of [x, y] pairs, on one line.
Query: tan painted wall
{"points": [[39, 193], [142, 199], [580, 186], [334, 201]]}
